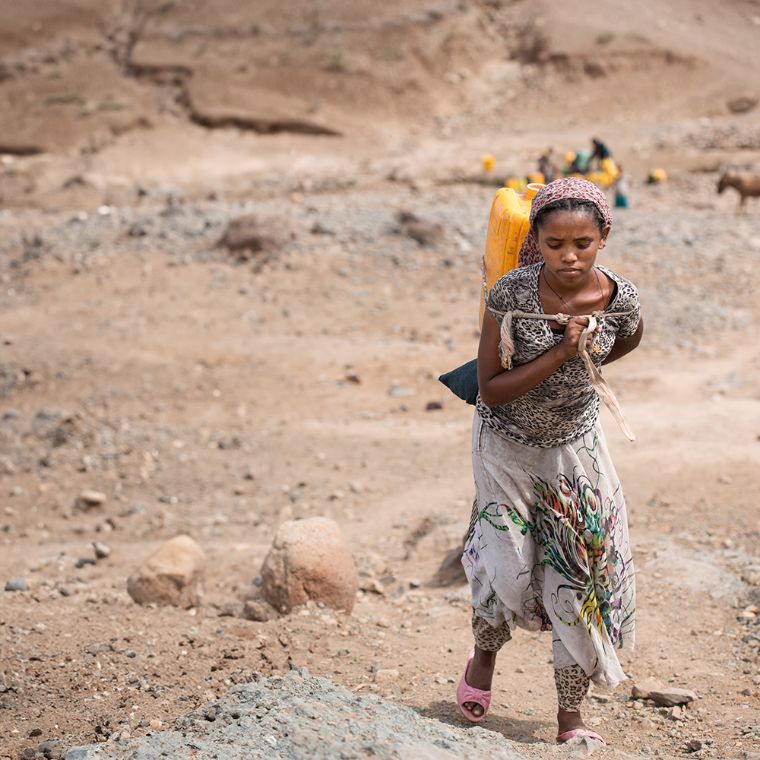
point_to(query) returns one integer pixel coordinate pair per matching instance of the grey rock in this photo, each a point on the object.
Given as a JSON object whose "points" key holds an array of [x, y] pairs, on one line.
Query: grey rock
{"points": [[662, 696], [16, 584], [83, 753], [300, 717], [52, 749]]}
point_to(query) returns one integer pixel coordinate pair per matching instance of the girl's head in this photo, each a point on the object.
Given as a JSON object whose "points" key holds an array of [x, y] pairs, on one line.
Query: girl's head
{"points": [[581, 206], [570, 194], [570, 220]]}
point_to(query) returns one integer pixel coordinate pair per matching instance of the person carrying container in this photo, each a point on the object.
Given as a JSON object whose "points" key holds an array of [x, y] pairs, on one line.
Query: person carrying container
{"points": [[547, 547]]}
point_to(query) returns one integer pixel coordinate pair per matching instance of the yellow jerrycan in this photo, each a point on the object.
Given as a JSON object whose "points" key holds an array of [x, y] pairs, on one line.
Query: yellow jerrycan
{"points": [[508, 224]]}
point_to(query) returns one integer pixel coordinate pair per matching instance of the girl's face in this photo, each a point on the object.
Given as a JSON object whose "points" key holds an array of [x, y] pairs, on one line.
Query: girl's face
{"points": [[569, 241]]}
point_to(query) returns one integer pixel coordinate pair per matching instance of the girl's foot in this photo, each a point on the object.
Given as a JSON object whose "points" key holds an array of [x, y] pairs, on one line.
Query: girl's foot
{"points": [[571, 726], [567, 721], [479, 675]]}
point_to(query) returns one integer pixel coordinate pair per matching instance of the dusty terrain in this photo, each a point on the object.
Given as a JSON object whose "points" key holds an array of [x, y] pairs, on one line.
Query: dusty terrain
{"points": [[217, 397]]}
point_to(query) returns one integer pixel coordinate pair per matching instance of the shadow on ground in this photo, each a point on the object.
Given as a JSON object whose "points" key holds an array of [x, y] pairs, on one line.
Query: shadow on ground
{"points": [[520, 731]]}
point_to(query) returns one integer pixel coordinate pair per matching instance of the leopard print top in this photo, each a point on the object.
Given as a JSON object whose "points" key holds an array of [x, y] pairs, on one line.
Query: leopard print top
{"points": [[565, 405]]}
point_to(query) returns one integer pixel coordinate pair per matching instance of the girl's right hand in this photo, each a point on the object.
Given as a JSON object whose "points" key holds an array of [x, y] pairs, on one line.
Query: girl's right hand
{"points": [[569, 344]]}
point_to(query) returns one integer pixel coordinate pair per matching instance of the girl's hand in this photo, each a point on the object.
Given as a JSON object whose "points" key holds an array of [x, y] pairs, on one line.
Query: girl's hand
{"points": [[573, 330]]}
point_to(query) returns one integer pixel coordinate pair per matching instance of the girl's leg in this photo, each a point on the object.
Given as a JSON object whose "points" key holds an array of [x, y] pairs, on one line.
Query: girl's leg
{"points": [[572, 686], [488, 641]]}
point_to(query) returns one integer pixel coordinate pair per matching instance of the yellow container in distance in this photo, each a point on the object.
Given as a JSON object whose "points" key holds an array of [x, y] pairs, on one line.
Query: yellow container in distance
{"points": [[508, 225]]}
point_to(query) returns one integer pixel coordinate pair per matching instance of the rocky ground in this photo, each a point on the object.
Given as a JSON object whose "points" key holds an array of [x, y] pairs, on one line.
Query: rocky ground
{"points": [[217, 391], [217, 397]]}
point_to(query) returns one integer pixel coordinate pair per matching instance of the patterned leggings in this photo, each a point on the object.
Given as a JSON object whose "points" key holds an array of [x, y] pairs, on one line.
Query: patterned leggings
{"points": [[571, 680]]}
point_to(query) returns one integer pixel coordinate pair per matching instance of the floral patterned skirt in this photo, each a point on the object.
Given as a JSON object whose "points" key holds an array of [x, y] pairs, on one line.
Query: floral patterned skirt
{"points": [[548, 546]]}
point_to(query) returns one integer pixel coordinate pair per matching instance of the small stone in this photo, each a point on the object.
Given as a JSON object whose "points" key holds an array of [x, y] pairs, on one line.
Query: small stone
{"points": [[171, 575], [372, 586], [641, 689], [16, 584], [255, 234], [28, 753], [693, 745], [433, 406], [102, 551], [748, 614], [52, 749], [95, 649], [155, 724], [399, 391], [88, 500], [672, 697], [742, 104], [258, 611], [231, 609], [386, 676], [35, 732], [662, 696]]}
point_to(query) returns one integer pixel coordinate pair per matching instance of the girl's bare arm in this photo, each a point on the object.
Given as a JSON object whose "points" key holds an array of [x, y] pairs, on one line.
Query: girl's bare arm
{"points": [[623, 346], [499, 386]]}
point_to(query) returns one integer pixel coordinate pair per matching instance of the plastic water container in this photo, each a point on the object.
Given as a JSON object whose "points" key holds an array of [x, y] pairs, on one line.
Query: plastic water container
{"points": [[508, 225]]}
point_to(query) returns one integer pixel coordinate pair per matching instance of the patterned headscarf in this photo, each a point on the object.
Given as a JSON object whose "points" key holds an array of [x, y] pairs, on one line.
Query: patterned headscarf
{"points": [[570, 187]]}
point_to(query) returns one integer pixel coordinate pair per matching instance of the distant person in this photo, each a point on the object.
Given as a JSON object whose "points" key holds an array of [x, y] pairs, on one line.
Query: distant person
{"points": [[547, 166], [547, 547], [621, 188], [581, 162], [599, 152]]}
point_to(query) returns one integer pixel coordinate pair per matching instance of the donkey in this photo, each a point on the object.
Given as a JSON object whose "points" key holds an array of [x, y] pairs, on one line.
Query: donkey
{"points": [[747, 187]]}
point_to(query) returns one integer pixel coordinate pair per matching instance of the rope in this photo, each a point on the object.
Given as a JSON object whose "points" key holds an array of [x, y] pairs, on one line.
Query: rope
{"points": [[603, 390]]}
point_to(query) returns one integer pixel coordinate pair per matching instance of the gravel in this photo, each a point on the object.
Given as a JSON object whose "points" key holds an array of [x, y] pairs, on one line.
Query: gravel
{"points": [[301, 716]]}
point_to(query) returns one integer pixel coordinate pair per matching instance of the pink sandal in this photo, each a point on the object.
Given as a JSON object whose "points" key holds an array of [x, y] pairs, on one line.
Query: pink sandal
{"points": [[581, 733], [466, 693]]}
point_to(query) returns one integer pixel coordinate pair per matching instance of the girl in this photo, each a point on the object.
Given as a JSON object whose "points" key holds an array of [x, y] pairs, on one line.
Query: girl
{"points": [[547, 547]]}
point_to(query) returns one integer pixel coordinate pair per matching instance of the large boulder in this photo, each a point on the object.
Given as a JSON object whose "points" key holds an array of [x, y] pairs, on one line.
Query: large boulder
{"points": [[170, 576], [309, 559]]}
